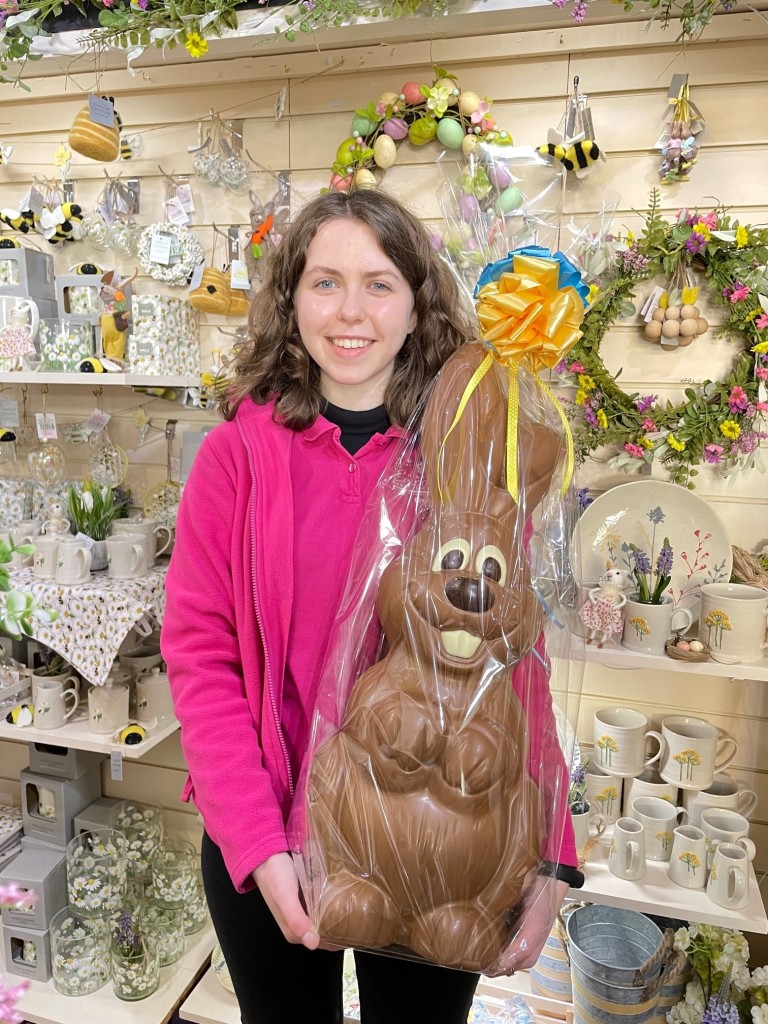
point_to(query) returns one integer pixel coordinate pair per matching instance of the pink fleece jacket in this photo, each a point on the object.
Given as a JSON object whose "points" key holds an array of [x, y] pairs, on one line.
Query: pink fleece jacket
{"points": [[225, 639]]}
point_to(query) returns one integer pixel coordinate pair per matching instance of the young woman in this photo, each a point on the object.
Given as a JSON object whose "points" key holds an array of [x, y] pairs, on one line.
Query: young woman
{"points": [[355, 317]]}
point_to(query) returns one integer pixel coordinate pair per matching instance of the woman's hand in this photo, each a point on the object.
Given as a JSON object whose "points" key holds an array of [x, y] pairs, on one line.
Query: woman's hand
{"points": [[541, 909], [279, 885]]}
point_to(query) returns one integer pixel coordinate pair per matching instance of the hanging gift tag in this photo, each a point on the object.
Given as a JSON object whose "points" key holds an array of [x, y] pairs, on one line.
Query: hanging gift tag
{"points": [[9, 412], [184, 195], [85, 539], [197, 276], [239, 275], [97, 421], [175, 212], [174, 465], [116, 765], [160, 249], [36, 202], [46, 426], [651, 303], [101, 111]]}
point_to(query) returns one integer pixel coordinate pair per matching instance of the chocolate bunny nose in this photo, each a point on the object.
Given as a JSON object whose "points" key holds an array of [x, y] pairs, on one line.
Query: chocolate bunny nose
{"points": [[469, 595]]}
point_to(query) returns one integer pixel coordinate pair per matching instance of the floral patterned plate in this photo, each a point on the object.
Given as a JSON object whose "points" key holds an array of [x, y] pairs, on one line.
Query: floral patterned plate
{"points": [[644, 513]]}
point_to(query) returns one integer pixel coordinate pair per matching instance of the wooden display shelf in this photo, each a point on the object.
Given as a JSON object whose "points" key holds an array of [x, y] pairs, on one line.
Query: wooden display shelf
{"points": [[42, 1004], [77, 734], [139, 380], [612, 655], [658, 892]]}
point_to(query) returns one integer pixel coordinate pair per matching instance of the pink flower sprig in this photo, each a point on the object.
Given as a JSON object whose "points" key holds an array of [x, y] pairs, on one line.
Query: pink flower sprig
{"points": [[17, 899], [635, 450], [762, 322], [737, 400], [9, 997], [736, 293]]}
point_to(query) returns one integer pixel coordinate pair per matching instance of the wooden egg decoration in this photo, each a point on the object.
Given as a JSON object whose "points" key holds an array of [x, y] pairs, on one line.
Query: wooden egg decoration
{"points": [[688, 328], [653, 330], [658, 314], [670, 329], [673, 313], [384, 152], [450, 133], [689, 313], [411, 93], [468, 103], [702, 325], [365, 178]]}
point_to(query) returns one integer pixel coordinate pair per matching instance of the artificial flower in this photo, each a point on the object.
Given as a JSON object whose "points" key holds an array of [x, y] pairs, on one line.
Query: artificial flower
{"points": [[438, 98], [577, 368], [762, 322], [583, 495], [481, 118], [730, 428], [630, 237], [634, 450], [712, 453], [737, 400], [644, 404], [62, 157], [696, 243], [739, 292], [673, 442], [594, 291], [195, 45], [589, 416], [581, 396], [602, 419], [742, 237], [702, 228], [586, 382], [646, 442], [648, 425], [761, 348], [761, 373]]}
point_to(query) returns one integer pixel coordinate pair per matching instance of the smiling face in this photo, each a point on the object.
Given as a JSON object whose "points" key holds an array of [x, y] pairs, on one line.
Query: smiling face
{"points": [[354, 310]]}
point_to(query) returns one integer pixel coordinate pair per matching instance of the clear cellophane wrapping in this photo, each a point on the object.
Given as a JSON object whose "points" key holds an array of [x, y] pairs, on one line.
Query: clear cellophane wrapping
{"points": [[432, 800]]}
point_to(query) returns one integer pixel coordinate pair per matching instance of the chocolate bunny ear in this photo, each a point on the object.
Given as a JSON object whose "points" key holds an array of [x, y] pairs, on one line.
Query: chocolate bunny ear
{"points": [[466, 465]]}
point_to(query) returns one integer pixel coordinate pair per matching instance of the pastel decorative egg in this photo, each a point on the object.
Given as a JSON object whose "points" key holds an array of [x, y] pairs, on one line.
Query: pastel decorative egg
{"points": [[689, 328], [468, 103], [365, 178], [673, 313], [689, 313], [696, 646], [450, 133], [422, 131], [468, 207], [658, 314], [469, 145], [411, 93], [362, 125], [346, 153], [683, 645], [388, 99], [653, 330], [702, 325], [341, 183], [436, 240], [510, 199], [384, 152], [670, 328], [395, 128], [499, 175]]}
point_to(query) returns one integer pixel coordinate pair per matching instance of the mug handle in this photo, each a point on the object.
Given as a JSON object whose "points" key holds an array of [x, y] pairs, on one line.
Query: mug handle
{"points": [[136, 550], [84, 556], [686, 612], [737, 885], [679, 811], [660, 751], [747, 802], [164, 548], [746, 844], [76, 700], [633, 851], [730, 758], [75, 680], [599, 823]]}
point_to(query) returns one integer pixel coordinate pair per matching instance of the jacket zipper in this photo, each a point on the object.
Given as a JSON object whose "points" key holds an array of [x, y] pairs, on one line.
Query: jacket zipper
{"points": [[270, 684]]}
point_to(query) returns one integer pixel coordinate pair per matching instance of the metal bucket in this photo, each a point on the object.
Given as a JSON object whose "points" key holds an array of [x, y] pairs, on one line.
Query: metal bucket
{"points": [[619, 962], [551, 974]]}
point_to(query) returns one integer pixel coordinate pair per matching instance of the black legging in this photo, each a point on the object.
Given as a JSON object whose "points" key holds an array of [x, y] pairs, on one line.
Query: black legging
{"points": [[280, 983]]}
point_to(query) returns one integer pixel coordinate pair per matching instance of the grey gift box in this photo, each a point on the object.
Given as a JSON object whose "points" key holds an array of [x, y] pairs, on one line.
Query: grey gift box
{"points": [[96, 815], [70, 796], [62, 762], [44, 872], [34, 272], [13, 948]]}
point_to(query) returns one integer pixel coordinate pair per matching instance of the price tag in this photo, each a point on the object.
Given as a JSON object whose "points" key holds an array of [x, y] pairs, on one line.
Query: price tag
{"points": [[101, 111], [184, 195], [160, 249], [145, 348], [87, 541], [46, 426], [36, 201], [9, 412], [239, 275], [651, 304], [97, 421], [175, 212], [175, 468], [197, 276], [116, 765]]}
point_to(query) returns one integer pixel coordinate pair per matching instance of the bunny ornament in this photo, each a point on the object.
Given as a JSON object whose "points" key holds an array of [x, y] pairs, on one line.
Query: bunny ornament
{"points": [[424, 824], [601, 613], [17, 337]]}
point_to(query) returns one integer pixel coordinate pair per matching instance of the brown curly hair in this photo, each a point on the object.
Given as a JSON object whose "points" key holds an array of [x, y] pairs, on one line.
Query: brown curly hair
{"points": [[274, 364]]}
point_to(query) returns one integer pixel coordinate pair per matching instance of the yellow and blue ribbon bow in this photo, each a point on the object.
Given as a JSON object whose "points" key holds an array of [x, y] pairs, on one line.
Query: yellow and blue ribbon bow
{"points": [[530, 307]]}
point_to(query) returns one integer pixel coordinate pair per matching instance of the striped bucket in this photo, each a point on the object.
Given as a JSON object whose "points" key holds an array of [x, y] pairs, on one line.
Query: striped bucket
{"points": [[619, 962], [551, 974]]}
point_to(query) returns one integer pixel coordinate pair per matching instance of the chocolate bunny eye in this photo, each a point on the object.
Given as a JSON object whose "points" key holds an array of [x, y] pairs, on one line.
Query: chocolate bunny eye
{"points": [[492, 564], [454, 554]]}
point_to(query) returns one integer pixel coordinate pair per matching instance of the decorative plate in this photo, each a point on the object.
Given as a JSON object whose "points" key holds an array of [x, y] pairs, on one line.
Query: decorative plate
{"points": [[644, 513]]}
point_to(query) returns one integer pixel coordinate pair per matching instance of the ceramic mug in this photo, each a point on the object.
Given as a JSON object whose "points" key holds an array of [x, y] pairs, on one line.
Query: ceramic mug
{"points": [[604, 792], [46, 803], [724, 826], [73, 561], [44, 558], [586, 825], [65, 678], [620, 735], [51, 703], [648, 783], [140, 660], [108, 707], [150, 529], [126, 556], [725, 793], [153, 696], [688, 860], [647, 627], [733, 621], [25, 532], [694, 751], [626, 858], [659, 819], [728, 883]]}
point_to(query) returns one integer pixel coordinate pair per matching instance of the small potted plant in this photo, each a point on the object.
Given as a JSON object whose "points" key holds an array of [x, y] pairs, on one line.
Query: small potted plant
{"points": [[650, 614], [135, 959], [92, 510], [586, 824]]}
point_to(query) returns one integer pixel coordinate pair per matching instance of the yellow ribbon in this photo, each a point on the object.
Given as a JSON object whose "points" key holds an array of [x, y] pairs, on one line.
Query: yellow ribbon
{"points": [[529, 322]]}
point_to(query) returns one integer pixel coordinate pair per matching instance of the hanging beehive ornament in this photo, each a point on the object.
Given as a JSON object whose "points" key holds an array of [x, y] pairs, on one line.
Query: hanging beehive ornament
{"points": [[161, 502], [109, 463], [47, 464], [95, 132]]}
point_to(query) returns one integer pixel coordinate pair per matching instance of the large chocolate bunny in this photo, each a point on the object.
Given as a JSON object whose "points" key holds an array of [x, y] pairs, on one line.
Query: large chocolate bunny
{"points": [[420, 808]]}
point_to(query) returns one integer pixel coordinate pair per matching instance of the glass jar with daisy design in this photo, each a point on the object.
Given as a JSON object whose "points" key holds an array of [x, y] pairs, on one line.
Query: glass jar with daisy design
{"points": [[96, 872], [142, 826], [81, 961]]}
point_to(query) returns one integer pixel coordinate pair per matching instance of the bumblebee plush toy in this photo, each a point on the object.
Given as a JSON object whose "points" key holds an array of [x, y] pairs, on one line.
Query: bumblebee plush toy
{"points": [[579, 157]]}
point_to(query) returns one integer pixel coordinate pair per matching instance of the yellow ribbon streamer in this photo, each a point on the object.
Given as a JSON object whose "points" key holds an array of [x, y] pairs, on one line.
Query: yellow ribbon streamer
{"points": [[529, 322]]}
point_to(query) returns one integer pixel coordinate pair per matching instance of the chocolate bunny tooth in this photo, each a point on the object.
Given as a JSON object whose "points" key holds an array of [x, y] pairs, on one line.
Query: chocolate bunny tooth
{"points": [[421, 812]]}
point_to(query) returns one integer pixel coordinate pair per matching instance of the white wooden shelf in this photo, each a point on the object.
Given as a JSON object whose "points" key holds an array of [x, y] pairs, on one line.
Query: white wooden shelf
{"points": [[139, 380], [612, 655], [658, 894], [42, 1004], [77, 734]]}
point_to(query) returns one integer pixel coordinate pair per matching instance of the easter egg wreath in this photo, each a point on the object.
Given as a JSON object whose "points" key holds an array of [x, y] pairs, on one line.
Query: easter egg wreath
{"points": [[720, 422], [442, 112]]}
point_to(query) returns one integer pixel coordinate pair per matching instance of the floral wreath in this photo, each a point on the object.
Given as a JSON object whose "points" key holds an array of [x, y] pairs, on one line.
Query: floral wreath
{"points": [[456, 118], [186, 253], [718, 422]]}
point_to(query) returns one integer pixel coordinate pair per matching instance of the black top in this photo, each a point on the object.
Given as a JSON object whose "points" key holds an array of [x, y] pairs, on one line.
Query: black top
{"points": [[357, 428]]}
